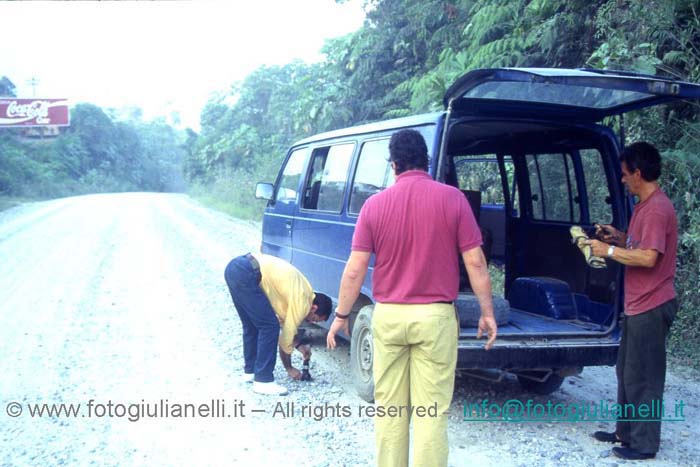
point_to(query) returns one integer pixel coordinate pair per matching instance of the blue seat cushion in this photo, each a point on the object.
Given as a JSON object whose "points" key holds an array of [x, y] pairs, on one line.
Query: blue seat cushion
{"points": [[543, 296]]}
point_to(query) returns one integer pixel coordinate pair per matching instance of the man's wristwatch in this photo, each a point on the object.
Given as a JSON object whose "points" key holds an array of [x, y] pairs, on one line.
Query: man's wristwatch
{"points": [[611, 251]]}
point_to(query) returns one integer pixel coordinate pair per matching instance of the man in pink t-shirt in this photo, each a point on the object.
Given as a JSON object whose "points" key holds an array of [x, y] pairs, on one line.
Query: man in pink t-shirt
{"points": [[648, 250], [416, 229]]}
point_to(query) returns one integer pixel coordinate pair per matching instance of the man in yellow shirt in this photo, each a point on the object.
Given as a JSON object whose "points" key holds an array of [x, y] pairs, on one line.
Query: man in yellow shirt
{"points": [[270, 294]]}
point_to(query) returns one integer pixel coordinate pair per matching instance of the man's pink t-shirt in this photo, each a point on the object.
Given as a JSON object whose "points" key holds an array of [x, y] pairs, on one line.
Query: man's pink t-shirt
{"points": [[416, 228], [654, 226]]}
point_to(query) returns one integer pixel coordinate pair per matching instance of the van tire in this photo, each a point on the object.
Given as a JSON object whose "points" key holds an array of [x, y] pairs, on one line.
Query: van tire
{"points": [[362, 354], [548, 386], [469, 310]]}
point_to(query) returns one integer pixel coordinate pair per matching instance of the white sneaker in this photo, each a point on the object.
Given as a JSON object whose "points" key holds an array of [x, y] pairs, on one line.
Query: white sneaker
{"points": [[247, 377], [269, 389]]}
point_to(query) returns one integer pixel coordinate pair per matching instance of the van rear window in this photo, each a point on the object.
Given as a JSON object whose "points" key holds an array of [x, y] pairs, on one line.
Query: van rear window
{"points": [[597, 188], [556, 93], [553, 187], [556, 192]]}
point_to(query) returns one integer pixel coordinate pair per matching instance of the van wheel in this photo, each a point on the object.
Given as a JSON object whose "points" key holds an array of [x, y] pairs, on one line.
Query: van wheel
{"points": [[362, 354], [548, 386]]}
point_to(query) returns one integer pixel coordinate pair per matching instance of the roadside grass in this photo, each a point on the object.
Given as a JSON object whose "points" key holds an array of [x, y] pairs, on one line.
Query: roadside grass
{"points": [[226, 206], [230, 199], [7, 202]]}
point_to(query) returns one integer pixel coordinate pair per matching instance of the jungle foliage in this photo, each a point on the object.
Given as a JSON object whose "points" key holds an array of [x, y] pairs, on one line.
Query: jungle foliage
{"points": [[96, 153]]}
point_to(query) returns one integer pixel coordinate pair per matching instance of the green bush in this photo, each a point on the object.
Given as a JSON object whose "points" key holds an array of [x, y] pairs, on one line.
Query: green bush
{"points": [[682, 171]]}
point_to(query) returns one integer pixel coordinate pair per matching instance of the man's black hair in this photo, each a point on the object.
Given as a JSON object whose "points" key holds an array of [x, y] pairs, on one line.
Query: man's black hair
{"points": [[324, 304], [408, 151], [642, 156]]}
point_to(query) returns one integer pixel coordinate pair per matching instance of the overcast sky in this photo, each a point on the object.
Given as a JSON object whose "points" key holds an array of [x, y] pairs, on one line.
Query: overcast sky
{"points": [[160, 56]]}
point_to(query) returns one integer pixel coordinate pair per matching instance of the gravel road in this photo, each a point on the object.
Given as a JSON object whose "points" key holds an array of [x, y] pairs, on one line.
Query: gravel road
{"points": [[117, 303]]}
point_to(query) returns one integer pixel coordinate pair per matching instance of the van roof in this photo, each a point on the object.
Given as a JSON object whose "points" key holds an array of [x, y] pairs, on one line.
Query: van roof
{"points": [[384, 125]]}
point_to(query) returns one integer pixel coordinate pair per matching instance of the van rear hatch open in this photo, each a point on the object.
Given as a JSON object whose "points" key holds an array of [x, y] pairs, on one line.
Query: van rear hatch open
{"points": [[578, 95], [495, 113]]}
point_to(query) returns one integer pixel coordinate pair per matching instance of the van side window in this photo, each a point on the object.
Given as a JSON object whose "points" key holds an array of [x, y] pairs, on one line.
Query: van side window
{"points": [[289, 183], [597, 188], [373, 173], [327, 178], [553, 187], [480, 173]]}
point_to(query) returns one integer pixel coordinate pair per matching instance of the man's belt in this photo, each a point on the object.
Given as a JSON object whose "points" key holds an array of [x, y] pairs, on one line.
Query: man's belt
{"points": [[254, 263]]}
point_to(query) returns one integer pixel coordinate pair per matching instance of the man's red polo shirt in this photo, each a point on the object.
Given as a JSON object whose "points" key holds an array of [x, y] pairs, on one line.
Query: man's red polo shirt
{"points": [[416, 228], [653, 226]]}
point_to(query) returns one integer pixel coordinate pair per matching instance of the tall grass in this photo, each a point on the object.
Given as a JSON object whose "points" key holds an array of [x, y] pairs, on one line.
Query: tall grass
{"points": [[232, 192]]}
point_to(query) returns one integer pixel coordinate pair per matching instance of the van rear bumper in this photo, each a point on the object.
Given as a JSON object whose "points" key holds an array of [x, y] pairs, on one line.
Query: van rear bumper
{"points": [[510, 357]]}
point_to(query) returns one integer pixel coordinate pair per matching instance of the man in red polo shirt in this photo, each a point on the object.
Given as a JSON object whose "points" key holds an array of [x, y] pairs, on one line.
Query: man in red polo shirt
{"points": [[648, 250], [415, 228]]}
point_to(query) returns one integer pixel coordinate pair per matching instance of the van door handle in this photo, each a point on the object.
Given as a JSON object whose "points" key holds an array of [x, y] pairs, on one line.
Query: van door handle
{"points": [[288, 225]]}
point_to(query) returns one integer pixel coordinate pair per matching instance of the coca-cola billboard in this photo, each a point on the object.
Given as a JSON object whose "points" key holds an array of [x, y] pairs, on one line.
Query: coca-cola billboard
{"points": [[33, 112]]}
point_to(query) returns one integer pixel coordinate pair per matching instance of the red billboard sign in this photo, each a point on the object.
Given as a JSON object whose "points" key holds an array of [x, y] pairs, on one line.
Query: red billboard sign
{"points": [[33, 112]]}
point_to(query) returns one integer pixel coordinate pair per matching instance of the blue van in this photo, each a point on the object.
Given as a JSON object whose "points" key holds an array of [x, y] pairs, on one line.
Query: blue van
{"points": [[527, 149]]}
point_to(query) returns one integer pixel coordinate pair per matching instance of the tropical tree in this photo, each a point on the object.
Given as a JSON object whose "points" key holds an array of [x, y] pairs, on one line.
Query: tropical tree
{"points": [[7, 88]]}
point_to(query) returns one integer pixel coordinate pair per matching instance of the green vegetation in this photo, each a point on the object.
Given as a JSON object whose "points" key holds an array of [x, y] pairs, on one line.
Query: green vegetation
{"points": [[7, 202], [97, 153]]}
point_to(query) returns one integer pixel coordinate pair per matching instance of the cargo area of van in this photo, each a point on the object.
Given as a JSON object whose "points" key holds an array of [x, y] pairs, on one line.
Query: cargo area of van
{"points": [[527, 184]]}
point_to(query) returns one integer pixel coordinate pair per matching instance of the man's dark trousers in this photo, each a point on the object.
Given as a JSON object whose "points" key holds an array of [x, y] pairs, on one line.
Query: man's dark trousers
{"points": [[261, 328], [641, 373]]}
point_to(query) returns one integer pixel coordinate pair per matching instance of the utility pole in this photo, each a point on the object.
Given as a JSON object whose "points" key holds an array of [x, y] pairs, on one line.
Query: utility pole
{"points": [[33, 82]]}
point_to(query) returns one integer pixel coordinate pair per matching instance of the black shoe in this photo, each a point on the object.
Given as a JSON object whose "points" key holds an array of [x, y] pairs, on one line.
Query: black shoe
{"points": [[632, 454]]}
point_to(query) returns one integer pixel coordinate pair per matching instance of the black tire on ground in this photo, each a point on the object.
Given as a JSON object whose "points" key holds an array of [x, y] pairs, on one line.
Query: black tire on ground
{"points": [[362, 354], [469, 310], [548, 386]]}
